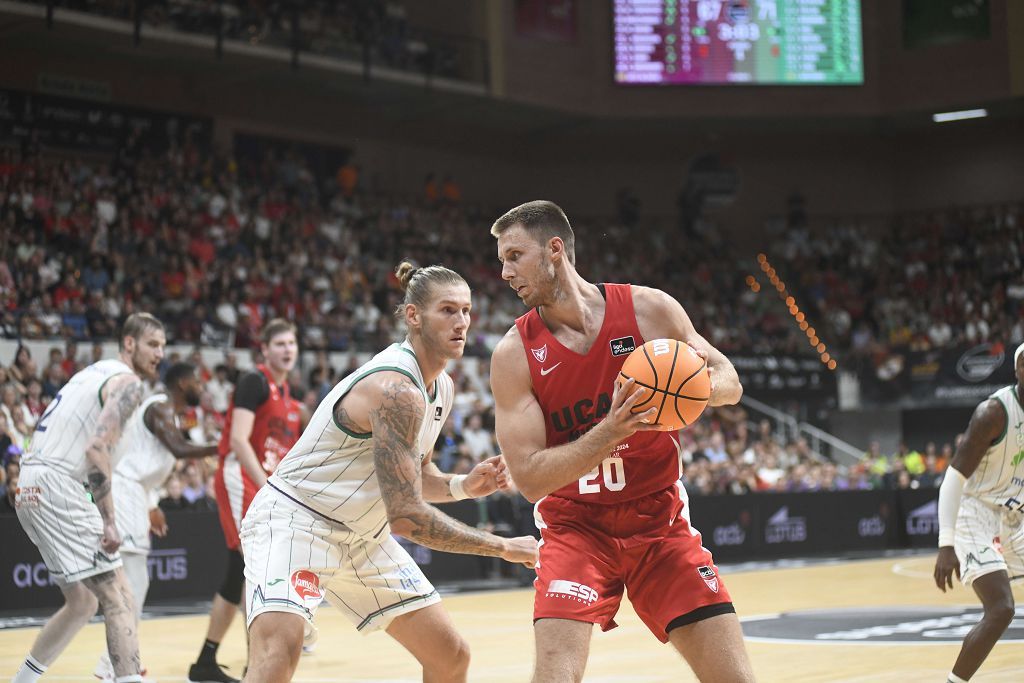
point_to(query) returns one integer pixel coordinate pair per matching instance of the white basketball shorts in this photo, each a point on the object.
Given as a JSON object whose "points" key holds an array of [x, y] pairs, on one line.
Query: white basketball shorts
{"points": [[294, 558], [61, 519], [977, 527]]}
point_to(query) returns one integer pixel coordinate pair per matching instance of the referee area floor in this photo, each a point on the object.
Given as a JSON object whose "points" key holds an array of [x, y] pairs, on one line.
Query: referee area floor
{"points": [[877, 620]]}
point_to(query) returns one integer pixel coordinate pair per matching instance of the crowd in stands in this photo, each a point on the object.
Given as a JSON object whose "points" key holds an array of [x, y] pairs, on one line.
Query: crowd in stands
{"points": [[378, 30], [215, 248], [938, 281], [723, 453]]}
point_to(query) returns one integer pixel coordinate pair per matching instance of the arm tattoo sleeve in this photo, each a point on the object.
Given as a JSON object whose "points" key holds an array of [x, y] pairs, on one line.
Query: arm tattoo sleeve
{"points": [[99, 485], [396, 425], [119, 407]]}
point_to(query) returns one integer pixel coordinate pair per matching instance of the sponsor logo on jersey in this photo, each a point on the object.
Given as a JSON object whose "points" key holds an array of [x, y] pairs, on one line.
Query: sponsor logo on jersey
{"points": [[781, 528], [978, 363], [540, 354], [622, 346], [924, 520], [890, 625], [708, 574], [571, 590], [437, 414], [306, 584]]}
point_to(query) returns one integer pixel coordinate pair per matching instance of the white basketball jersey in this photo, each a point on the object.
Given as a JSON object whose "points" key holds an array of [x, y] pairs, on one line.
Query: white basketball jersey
{"points": [[63, 431], [330, 470], [142, 457], [999, 479]]}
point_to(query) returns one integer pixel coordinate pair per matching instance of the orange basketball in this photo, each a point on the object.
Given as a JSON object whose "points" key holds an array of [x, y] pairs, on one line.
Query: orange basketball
{"points": [[676, 378]]}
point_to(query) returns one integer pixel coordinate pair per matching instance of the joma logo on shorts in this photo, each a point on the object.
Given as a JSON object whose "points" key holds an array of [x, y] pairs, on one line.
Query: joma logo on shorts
{"points": [[571, 589]]}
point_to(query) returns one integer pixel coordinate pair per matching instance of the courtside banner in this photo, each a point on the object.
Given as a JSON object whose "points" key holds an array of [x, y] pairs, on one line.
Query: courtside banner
{"points": [[188, 564], [765, 525]]}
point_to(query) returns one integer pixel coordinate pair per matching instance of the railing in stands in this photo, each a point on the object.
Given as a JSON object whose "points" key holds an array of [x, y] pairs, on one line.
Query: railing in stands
{"points": [[788, 428]]}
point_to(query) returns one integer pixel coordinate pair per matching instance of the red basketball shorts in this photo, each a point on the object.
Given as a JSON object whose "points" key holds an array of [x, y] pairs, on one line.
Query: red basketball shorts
{"points": [[590, 553], [234, 492]]}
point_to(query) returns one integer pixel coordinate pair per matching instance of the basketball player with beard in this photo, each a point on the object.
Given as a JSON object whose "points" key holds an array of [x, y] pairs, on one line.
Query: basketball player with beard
{"points": [[75, 444], [362, 471], [612, 513], [151, 443]]}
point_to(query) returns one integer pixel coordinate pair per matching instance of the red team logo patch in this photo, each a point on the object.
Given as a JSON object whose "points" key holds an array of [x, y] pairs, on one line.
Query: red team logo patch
{"points": [[541, 354], [708, 574], [306, 584]]}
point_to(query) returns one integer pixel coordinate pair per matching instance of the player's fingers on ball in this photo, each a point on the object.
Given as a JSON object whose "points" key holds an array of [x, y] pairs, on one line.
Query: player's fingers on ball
{"points": [[631, 400], [648, 416], [624, 388]]}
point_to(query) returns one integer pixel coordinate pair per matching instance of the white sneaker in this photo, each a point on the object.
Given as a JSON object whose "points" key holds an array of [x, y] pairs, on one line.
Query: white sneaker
{"points": [[104, 669]]}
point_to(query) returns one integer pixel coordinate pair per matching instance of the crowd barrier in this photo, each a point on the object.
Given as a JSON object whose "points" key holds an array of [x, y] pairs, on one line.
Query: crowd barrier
{"points": [[188, 564]]}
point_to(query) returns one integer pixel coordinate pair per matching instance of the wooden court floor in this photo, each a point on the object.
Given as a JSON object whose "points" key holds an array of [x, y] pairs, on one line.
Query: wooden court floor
{"points": [[497, 625]]}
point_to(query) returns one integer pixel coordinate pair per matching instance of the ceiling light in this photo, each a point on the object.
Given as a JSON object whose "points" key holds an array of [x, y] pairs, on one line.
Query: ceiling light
{"points": [[947, 116]]}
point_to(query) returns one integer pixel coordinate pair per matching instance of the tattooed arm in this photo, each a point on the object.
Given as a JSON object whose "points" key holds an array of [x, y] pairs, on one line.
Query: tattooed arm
{"points": [[394, 406], [121, 395], [159, 419]]}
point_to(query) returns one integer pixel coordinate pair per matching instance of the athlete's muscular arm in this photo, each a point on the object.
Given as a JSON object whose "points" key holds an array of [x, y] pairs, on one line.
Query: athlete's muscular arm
{"points": [[394, 408], [159, 419], [660, 316], [121, 395], [536, 469], [987, 424]]}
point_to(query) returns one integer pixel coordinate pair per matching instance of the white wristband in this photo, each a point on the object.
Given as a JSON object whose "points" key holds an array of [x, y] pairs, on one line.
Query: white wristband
{"points": [[455, 486]]}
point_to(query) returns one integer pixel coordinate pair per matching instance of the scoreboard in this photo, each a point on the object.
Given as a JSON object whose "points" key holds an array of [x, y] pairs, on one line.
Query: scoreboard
{"points": [[778, 42]]}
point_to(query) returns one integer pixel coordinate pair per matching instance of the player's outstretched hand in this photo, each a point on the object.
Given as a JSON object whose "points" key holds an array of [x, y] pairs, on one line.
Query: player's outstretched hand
{"points": [[521, 549], [945, 564], [111, 540], [158, 522], [487, 477], [621, 420]]}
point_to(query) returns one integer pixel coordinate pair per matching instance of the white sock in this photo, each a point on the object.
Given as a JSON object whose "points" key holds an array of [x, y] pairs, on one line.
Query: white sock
{"points": [[137, 678], [953, 678], [30, 671]]}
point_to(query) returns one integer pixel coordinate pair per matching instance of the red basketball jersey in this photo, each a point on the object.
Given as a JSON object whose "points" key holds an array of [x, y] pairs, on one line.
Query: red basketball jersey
{"points": [[275, 428], [575, 392]]}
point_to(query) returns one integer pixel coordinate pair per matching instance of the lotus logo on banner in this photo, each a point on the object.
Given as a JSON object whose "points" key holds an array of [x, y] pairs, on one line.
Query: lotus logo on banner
{"points": [[978, 363], [924, 520]]}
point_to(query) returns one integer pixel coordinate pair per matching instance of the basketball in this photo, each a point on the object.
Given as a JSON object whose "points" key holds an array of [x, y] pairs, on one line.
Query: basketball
{"points": [[676, 378]]}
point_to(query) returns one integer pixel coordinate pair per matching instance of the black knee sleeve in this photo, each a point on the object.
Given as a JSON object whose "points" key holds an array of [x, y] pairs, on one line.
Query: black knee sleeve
{"points": [[231, 589]]}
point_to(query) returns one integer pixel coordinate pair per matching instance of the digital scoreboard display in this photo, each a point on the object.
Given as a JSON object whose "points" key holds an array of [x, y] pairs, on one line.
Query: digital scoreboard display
{"points": [[778, 42]]}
